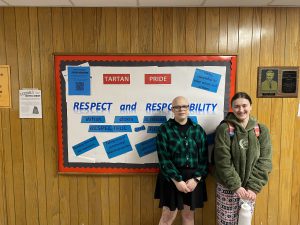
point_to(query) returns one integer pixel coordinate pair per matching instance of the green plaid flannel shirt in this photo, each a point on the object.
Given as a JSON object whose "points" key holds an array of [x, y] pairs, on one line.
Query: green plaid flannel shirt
{"points": [[176, 150]]}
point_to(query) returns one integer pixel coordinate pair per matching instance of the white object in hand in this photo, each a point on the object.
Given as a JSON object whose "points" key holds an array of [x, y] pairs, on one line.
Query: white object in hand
{"points": [[245, 214]]}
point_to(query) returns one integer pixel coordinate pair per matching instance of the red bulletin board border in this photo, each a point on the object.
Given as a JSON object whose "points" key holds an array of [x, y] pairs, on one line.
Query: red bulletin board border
{"points": [[59, 58]]}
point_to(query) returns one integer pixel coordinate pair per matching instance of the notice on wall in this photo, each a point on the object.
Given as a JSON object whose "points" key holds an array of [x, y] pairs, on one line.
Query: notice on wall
{"points": [[5, 92], [110, 107], [30, 103]]}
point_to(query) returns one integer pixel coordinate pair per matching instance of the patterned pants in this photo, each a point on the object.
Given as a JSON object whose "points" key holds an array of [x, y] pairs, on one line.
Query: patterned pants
{"points": [[228, 206]]}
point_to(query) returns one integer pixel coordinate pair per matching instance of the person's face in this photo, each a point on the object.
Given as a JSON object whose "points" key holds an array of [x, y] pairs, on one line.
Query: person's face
{"points": [[270, 76], [180, 108], [241, 109]]}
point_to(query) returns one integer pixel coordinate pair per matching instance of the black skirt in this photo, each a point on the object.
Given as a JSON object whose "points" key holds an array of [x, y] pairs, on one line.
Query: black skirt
{"points": [[169, 196]]}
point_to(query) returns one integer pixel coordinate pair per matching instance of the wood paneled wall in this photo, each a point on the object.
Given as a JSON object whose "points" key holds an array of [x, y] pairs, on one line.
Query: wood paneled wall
{"points": [[31, 191]]}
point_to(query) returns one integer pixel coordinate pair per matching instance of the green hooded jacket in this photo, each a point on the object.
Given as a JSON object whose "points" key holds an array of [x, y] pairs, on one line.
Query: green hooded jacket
{"points": [[243, 160]]}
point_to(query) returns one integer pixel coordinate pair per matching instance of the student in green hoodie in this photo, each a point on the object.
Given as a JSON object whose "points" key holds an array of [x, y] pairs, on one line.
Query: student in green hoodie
{"points": [[243, 160]]}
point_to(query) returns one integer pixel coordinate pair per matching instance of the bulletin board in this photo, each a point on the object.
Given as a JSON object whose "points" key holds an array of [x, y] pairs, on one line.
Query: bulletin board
{"points": [[109, 107]]}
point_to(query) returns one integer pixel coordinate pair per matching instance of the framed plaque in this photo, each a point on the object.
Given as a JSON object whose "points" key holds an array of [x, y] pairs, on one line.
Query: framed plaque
{"points": [[277, 82]]}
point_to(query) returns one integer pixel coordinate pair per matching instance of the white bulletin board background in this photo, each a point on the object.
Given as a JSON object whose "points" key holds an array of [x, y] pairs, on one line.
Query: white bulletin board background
{"points": [[103, 106]]}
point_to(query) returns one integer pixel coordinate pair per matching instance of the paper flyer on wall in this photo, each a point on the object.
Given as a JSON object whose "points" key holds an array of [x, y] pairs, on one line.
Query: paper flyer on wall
{"points": [[30, 103]]}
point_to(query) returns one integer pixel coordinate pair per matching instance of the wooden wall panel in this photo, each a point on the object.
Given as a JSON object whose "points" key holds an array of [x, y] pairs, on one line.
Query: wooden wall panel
{"points": [[136, 200], [245, 38], [3, 146], [255, 55], [3, 213], [233, 18], [223, 30], [63, 181], [27, 126], [134, 33], [31, 191], [264, 106], [288, 122], [123, 28], [158, 35], [168, 30], [38, 124], [295, 207], [49, 117], [89, 19], [201, 27], [145, 30], [292, 56], [295, 204], [179, 30], [191, 30], [3, 199], [14, 122], [212, 30], [275, 126]]}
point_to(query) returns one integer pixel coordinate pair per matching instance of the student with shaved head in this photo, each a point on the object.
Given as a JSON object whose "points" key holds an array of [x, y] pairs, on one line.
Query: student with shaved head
{"points": [[183, 159]]}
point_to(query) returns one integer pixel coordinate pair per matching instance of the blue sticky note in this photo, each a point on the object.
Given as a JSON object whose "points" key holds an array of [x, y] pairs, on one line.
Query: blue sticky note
{"points": [[85, 146], [110, 128], [211, 138], [155, 119], [93, 119], [137, 129], [79, 80], [206, 80], [126, 119], [194, 119], [117, 146], [146, 147], [152, 129]]}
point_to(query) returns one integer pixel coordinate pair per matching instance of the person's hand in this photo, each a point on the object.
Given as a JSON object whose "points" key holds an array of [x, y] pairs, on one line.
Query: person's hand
{"points": [[242, 193], [191, 184], [251, 195], [181, 186]]}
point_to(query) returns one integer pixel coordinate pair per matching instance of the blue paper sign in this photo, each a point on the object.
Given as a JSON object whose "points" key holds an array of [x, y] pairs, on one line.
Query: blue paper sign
{"points": [[117, 146], [79, 80], [211, 138], [85, 146], [93, 119], [155, 119], [146, 147], [194, 119], [206, 80], [110, 128], [152, 129], [126, 119], [137, 129]]}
